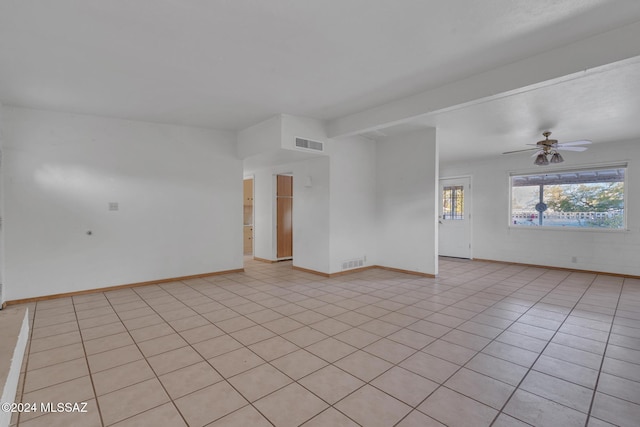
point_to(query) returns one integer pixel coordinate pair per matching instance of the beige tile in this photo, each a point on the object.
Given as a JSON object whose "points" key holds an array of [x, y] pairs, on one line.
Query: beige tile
{"points": [[264, 316], [252, 335], [235, 362], [536, 410], [410, 338], [55, 374], [418, 419], [61, 328], [620, 368], [235, 324], [161, 344], [55, 355], [290, 406], [98, 321], [369, 406], [132, 400], [330, 349], [282, 325], [363, 365], [298, 364], [379, 327], [166, 414], [122, 376], [357, 337], [109, 359], [186, 380], [354, 319], [429, 328], [567, 371], [209, 404], [331, 327], [430, 367], [150, 332], [404, 385], [103, 331], [54, 341], [480, 387], [454, 409], [174, 359], [273, 348], [615, 411], [331, 384], [259, 381], [505, 420], [330, 417], [304, 336], [143, 321], [188, 323], [216, 346], [201, 333], [109, 342], [389, 350], [244, 417], [620, 388], [511, 353], [76, 390], [499, 369], [90, 418]]}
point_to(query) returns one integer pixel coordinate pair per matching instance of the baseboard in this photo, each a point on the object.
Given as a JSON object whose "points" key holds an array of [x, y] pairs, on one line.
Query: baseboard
{"points": [[268, 261], [357, 270], [117, 287], [415, 273], [548, 267]]}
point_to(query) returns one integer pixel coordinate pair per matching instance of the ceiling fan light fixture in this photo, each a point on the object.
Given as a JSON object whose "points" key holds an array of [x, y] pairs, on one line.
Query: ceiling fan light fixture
{"points": [[556, 158], [541, 160]]}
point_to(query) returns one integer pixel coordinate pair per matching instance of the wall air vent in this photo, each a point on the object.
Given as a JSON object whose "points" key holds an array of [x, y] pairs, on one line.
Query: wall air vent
{"points": [[308, 144], [352, 263]]}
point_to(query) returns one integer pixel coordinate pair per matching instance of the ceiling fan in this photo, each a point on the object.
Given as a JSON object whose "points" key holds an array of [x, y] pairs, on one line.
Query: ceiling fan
{"points": [[550, 147]]}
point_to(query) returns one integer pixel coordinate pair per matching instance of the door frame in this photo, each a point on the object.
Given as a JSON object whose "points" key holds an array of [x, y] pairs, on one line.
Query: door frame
{"points": [[468, 205]]}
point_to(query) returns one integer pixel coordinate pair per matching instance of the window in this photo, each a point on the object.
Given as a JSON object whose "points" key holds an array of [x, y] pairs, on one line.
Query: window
{"points": [[453, 202], [593, 198]]}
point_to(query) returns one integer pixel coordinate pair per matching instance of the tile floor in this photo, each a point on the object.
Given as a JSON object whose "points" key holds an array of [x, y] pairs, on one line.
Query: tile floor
{"points": [[484, 344]]}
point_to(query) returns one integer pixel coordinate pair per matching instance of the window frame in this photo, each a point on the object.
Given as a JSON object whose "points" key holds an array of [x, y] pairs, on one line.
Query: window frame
{"points": [[584, 168]]}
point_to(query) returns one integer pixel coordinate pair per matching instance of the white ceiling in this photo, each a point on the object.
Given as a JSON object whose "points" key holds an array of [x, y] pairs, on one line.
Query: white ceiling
{"points": [[228, 64]]}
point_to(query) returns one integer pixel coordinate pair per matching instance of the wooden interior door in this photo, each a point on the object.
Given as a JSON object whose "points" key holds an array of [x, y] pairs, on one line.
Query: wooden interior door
{"points": [[248, 216], [284, 212]]}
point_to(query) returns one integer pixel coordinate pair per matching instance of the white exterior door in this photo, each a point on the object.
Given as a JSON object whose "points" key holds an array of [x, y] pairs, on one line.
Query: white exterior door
{"points": [[454, 223]]}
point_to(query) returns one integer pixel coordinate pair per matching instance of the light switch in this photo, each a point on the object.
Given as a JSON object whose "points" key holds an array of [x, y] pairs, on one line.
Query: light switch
{"points": [[113, 206]]}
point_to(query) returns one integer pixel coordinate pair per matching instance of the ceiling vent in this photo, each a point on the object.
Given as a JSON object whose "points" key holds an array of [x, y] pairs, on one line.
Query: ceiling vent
{"points": [[308, 144]]}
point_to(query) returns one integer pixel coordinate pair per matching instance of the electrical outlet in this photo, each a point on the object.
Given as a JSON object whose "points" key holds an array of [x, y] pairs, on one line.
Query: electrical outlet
{"points": [[574, 259]]}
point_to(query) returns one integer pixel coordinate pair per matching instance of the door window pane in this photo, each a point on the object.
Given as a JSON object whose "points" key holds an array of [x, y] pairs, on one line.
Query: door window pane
{"points": [[453, 202]]}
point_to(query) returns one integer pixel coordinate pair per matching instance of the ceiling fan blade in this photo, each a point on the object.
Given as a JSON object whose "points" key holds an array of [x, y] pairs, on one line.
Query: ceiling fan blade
{"points": [[519, 151], [568, 144], [561, 148]]}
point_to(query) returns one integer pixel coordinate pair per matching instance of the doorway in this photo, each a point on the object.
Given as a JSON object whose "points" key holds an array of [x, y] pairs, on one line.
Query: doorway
{"points": [[454, 222], [284, 216]]}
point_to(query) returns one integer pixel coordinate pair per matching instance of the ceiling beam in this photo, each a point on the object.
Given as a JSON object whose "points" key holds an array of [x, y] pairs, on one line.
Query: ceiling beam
{"points": [[595, 54]]}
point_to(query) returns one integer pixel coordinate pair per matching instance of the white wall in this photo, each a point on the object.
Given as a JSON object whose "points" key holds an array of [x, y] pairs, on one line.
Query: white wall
{"points": [[406, 183], [607, 251], [353, 201], [2, 296], [262, 137], [179, 191]]}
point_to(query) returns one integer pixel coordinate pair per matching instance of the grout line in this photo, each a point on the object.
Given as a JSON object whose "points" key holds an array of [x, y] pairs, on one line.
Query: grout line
{"points": [[86, 360], [604, 355]]}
